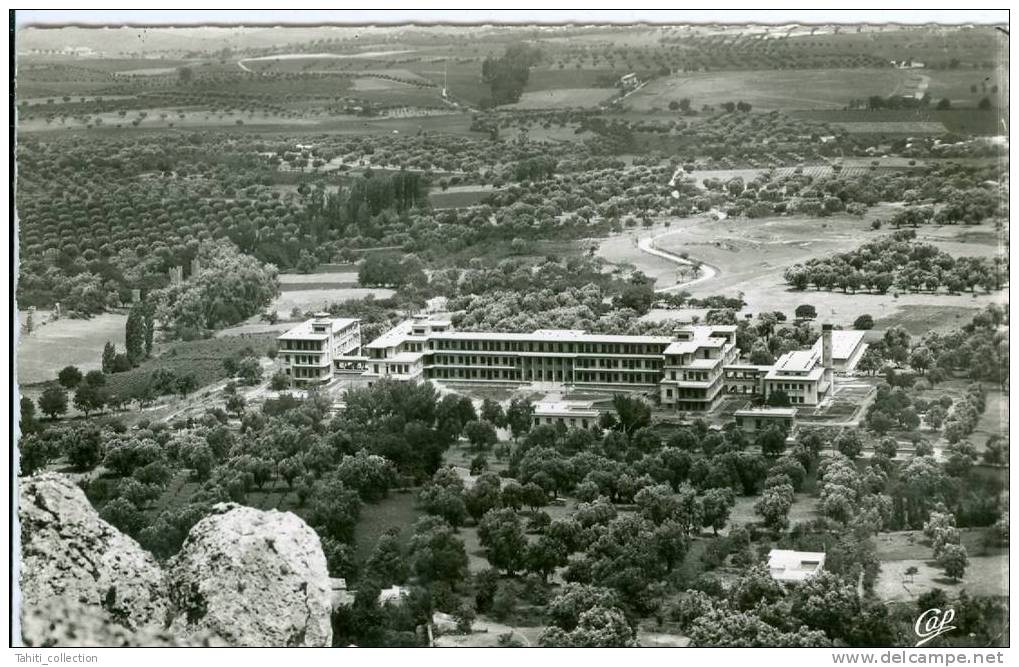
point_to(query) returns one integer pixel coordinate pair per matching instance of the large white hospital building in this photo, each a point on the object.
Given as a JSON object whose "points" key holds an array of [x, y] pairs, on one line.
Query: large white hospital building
{"points": [[690, 370]]}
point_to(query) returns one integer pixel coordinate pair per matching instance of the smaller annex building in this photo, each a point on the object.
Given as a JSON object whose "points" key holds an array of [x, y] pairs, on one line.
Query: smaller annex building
{"points": [[754, 420], [311, 351], [790, 566], [573, 414]]}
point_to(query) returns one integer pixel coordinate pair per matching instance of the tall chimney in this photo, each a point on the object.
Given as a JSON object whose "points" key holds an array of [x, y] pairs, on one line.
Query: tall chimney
{"points": [[826, 330]]}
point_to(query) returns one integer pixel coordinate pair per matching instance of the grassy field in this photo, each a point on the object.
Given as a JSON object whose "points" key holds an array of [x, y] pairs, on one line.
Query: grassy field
{"points": [[459, 195], [766, 90], [50, 347], [319, 299], [562, 98], [751, 256], [987, 573], [818, 89], [398, 510], [202, 358]]}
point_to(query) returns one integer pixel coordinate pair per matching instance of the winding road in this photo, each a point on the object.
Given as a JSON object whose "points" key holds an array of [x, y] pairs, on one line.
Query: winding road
{"points": [[647, 245]]}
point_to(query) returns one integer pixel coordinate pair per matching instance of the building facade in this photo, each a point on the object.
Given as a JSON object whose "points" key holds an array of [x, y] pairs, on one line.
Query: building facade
{"points": [[691, 370], [310, 352]]}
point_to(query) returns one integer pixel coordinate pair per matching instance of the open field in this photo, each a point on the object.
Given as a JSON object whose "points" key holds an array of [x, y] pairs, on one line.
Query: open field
{"points": [[457, 196], [818, 89], [562, 98], [319, 299], [771, 89], [67, 341], [751, 256], [986, 574]]}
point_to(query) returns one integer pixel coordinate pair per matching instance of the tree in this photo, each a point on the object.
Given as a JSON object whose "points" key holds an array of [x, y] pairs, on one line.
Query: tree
{"points": [[185, 384], [83, 447], [632, 412], [483, 496], [984, 104], [773, 506], [89, 398], [921, 358], [334, 508], [492, 413], [716, 505], [827, 602], [53, 401], [519, 416], [134, 334], [436, 553], [370, 475], [279, 381], [771, 441], [124, 515], [954, 560], [863, 322], [778, 399], [109, 352], [481, 434], [387, 563], [69, 377], [805, 312], [848, 443], [502, 536], [573, 599], [597, 627], [27, 422], [95, 379], [446, 502]]}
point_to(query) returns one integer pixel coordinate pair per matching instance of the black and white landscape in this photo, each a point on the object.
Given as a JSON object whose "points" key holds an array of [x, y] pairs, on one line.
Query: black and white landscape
{"points": [[513, 336]]}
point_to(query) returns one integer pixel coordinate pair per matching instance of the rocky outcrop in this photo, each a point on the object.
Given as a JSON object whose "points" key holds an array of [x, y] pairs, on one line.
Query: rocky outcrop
{"points": [[68, 552], [253, 578], [244, 577], [64, 622]]}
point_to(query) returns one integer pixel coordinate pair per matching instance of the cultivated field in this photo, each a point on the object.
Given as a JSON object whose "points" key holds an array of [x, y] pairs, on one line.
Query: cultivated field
{"points": [[67, 341]]}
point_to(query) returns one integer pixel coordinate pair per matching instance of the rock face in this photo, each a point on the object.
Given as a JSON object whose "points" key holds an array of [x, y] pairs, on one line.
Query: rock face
{"points": [[68, 552], [252, 577], [244, 577]]}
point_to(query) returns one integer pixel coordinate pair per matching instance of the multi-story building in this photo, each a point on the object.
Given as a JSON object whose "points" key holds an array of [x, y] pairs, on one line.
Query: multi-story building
{"points": [[430, 349], [690, 370], [311, 351], [694, 366]]}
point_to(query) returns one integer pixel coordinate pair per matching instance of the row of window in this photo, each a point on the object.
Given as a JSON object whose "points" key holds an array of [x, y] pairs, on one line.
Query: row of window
{"points": [[545, 346], [302, 345]]}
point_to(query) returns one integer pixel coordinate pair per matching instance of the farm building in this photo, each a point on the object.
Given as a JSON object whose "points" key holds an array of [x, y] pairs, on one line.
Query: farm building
{"points": [[790, 566]]}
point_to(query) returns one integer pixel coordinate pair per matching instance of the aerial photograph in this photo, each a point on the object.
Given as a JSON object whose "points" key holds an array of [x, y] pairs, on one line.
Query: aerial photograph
{"points": [[563, 334]]}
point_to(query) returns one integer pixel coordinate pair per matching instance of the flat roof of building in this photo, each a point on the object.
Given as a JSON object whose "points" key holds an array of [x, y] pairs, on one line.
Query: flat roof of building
{"points": [[766, 412], [797, 361], [788, 565], [545, 335], [566, 409], [304, 329], [843, 343], [813, 374]]}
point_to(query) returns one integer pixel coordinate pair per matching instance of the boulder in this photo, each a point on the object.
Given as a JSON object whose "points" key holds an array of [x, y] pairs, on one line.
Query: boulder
{"points": [[65, 622], [253, 578], [68, 552]]}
